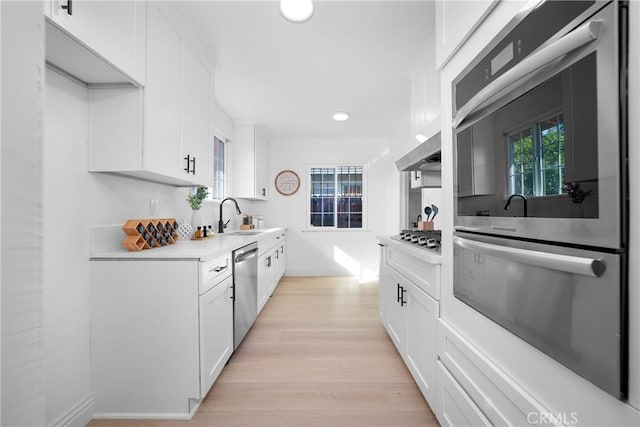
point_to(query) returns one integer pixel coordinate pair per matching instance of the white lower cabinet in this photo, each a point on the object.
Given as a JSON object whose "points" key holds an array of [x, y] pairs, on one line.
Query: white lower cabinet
{"points": [[159, 337], [382, 272], [264, 272], [422, 317], [396, 323], [272, 263], [410, 316], [469, 385], [454, 407], [216, 332]]}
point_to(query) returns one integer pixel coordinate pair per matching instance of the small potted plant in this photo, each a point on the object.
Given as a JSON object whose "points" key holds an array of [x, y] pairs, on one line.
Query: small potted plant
{"points": [[195, 201]]}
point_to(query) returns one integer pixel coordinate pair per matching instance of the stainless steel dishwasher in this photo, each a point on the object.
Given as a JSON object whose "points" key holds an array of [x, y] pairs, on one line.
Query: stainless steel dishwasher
{"points": [[245, 291]]}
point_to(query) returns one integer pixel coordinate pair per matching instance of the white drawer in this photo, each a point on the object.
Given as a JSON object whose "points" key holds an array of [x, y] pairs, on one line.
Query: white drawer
{"points": [[268, 242], [214, 271], [425, 275], [498, 396], [454, 407]]}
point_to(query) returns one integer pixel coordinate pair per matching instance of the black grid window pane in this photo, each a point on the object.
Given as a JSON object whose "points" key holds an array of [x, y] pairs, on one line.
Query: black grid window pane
{"points": [[322, 197], [349, 209], [336, 197]]}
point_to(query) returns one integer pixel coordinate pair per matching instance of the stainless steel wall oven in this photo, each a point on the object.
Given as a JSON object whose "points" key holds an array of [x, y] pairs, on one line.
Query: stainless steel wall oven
{"points": [[541, 193]]}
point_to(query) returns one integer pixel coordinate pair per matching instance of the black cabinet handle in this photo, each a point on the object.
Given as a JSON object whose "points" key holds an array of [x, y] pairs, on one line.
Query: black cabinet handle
{"points": [[398, 293], [402, 300], [193, 164], [68, 7], [188, 168], [264, 192]]}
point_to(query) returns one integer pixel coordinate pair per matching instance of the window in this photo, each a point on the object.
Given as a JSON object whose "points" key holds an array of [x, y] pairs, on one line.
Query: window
{"points": [[336, 197], [536, 159], [217, 192]]}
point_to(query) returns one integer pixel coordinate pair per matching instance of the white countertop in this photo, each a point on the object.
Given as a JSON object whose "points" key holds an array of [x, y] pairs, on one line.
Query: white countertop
{"points": [[432, 257], [106, 244]]}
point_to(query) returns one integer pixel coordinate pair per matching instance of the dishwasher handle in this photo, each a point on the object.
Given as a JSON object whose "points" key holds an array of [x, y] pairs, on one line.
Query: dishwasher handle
{"points": [[244, 256]]}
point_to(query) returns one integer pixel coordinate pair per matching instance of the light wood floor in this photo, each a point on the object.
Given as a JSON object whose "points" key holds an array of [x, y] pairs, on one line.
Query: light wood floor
{"points": [[316, 356]]}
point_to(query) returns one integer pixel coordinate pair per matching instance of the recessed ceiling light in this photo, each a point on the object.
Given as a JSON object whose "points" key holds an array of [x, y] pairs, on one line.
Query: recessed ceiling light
{"points": [[296, 10], [421, 138], [340, 116]]}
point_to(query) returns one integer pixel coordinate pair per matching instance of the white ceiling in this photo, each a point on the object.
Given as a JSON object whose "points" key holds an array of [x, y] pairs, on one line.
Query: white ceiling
{"points": [[351, 55]]}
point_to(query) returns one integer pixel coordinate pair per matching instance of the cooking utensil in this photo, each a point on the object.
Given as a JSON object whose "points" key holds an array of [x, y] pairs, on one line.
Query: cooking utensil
{"points": [[434, 208], [427, 211]]}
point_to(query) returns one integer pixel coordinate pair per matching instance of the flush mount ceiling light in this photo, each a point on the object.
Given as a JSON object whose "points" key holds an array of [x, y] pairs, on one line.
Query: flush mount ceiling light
{"points": [[340, 116], [296, 10], [421, 138]]}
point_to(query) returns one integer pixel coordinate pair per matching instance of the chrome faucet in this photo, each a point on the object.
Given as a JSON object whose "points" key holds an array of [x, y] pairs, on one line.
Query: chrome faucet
{"points": [[524, 199], [221, 223]]}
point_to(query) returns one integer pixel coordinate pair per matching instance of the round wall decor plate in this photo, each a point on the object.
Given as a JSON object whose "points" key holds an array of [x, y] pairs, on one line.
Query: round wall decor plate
{"points": [[287, 182]]}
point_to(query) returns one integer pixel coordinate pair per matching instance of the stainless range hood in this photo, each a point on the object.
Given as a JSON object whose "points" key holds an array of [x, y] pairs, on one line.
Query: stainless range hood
{"points": [[425, 157]]}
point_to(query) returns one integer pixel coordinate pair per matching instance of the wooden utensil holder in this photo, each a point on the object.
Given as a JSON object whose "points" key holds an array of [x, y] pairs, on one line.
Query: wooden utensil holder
{"points": [[149, 233], [425, 225]]}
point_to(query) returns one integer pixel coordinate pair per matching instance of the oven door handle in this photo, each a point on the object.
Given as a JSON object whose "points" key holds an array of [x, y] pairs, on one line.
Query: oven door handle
{"points": [[567, 263], [575, 39]]}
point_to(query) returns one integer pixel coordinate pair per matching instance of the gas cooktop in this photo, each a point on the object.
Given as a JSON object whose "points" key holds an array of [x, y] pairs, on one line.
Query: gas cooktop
{"points": [[421, 238]]}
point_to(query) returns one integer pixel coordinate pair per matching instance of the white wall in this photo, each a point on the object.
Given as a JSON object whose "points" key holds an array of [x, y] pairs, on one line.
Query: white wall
{"points": [[332, 252], [21, 197], [22, 52], [554, 386], [73, 201]]}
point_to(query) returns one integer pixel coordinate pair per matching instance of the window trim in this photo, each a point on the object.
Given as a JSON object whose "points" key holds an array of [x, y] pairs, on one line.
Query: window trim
{"points": [[365, 207], [227, 172]]}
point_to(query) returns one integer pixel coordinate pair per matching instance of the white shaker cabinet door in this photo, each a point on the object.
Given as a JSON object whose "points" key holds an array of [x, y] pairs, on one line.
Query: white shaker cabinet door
{"points": [[264, 262], [163, 93], [116, 30], [251, 161], [262, 165], [422, 318], [396, 309], [196, 134], [216, 332]]}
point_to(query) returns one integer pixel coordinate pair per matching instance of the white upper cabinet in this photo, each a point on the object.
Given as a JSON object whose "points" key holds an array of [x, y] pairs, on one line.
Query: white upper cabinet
{"points": [[161, 133], [163, 92], [251, 161], [197, 139], [455, 22], [113, 30]]}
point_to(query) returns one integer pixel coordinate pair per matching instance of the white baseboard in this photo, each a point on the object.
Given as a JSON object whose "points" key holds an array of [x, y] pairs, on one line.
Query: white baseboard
{"points": [[142, 416], [194, 404], [78, 416]]}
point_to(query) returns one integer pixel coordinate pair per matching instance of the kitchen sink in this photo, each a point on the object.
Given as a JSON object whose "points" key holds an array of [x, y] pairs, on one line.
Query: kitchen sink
{"points": [[245, 232]]}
